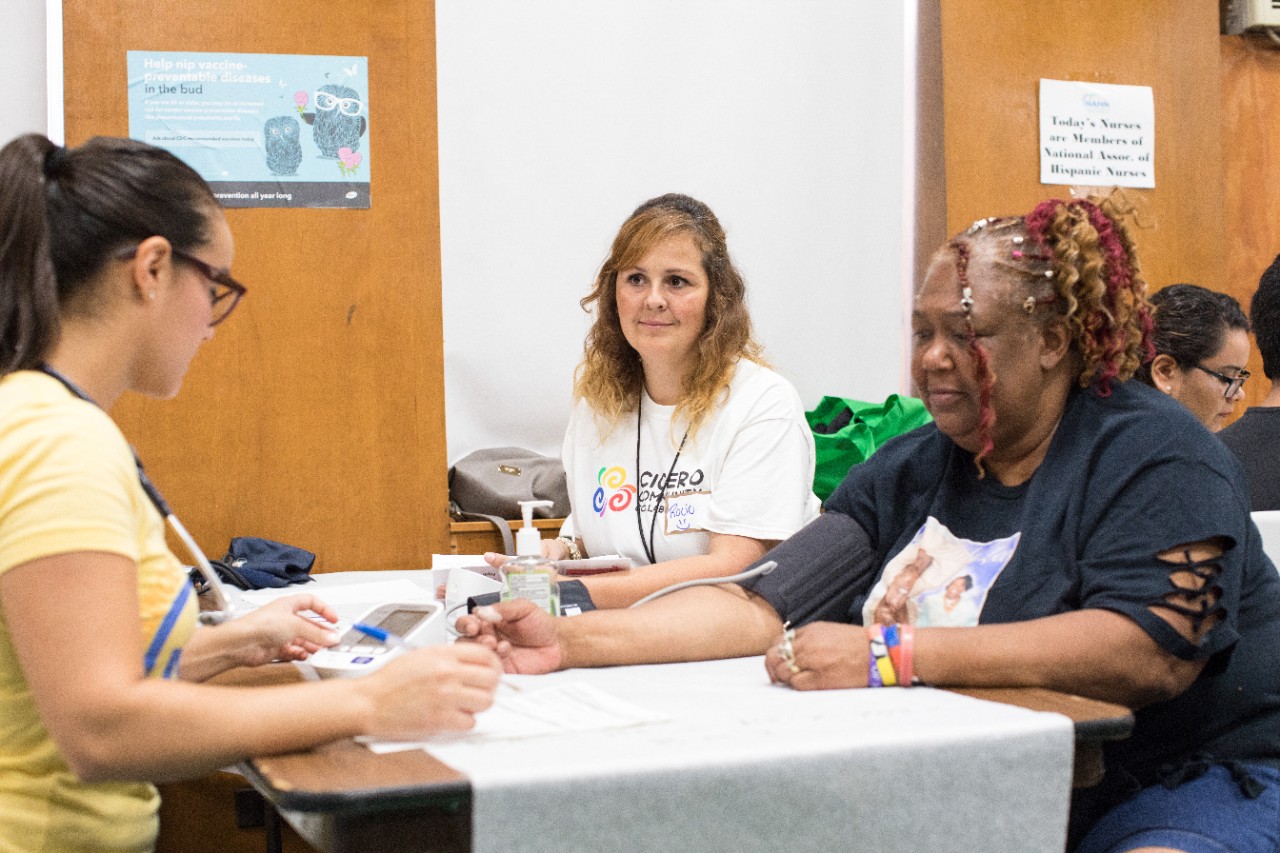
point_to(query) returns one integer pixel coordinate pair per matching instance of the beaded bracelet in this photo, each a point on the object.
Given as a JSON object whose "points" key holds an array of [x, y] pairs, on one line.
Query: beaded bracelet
{"points": [[570, 543]]}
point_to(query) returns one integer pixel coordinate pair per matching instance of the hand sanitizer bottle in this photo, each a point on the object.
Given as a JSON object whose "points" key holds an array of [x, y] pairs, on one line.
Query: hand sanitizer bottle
{"points": [[531, 575]]}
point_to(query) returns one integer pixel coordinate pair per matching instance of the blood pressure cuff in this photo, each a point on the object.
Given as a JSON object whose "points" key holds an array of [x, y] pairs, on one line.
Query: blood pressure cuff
{"points": [[574, 599], [824, 572], [254, 563]]}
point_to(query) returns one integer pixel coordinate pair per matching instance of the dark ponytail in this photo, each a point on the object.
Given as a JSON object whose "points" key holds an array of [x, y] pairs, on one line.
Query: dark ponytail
{"points": [[65, 211], [28, 292]]}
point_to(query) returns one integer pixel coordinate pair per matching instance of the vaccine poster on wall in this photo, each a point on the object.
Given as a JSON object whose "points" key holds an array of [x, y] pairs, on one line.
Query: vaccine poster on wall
{"points": [[1097, 134], [265, 130]]}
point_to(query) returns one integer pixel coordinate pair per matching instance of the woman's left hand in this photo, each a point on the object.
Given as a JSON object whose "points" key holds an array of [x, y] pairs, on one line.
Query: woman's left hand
{"points": [[821, 656], [281, 631]]}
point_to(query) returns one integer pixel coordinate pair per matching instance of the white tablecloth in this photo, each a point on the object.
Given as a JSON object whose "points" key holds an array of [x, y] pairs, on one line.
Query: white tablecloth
{"points": [[742, 765]]}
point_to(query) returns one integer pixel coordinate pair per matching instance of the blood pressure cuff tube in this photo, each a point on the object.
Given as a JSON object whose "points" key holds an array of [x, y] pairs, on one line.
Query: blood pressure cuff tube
{"points": [[824, 572], [574, 599]]}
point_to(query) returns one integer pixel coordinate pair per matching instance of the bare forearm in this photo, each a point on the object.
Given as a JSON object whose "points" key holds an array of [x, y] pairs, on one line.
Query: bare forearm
{"points": [[704, 623], [210, 651], [728, 555], [110, 722], [165, 730], [1094, 653], [625, 588]]}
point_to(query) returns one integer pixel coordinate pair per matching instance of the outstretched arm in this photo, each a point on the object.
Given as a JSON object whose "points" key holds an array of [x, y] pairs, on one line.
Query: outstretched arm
{"points": [[276, 631], [111, 723], [728, 555], [703, 623], [1096, 653]]}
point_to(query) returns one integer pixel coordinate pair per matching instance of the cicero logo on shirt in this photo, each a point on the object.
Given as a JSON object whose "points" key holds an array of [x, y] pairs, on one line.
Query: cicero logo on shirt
{"points": [[614, 492]]}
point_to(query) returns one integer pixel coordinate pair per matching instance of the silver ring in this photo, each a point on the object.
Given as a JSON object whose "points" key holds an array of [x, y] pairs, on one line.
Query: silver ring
{"points": [[785, 650]]}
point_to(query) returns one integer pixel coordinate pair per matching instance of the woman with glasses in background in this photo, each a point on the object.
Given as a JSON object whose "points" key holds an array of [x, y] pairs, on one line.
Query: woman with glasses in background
{"points": [[114, 261], [1202, 345]]}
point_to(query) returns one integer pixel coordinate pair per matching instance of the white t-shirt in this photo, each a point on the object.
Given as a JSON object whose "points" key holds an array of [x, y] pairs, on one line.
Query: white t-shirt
{"points": [[748, 472]]}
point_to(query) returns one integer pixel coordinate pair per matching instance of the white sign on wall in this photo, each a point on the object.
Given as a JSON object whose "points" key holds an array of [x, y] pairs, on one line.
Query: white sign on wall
{"points": [[1097, 134]]}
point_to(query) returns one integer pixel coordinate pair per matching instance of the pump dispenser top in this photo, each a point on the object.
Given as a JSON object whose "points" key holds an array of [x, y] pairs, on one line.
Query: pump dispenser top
{"points": [[531, 575], [528, 539]]}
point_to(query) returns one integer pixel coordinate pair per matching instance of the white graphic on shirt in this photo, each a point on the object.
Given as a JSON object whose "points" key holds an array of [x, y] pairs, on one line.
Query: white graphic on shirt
{"points": [[938, 579]]}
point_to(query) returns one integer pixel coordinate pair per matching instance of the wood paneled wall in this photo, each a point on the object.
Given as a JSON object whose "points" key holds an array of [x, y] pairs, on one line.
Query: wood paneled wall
{"points": [[1251, 171], [316, 415], [994, 54]]}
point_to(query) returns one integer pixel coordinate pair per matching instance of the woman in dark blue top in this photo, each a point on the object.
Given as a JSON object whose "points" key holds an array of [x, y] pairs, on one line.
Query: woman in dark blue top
{"points": [[1104, 532]]}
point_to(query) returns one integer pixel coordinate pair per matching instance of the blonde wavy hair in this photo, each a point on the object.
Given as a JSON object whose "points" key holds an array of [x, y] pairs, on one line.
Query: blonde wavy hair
{"points": [[611, 376]]}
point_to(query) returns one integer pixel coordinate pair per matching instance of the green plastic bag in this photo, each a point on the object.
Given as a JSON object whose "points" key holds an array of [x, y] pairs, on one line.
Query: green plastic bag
{"points": [[846, 432]]}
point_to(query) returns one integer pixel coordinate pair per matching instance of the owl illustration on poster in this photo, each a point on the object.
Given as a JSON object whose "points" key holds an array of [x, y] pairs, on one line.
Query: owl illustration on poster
{"points": [[338, 120], [283, 146]]}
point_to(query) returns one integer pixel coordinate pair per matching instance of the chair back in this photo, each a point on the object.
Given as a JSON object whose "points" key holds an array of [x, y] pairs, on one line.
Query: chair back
{"points": [[1269, 526]]}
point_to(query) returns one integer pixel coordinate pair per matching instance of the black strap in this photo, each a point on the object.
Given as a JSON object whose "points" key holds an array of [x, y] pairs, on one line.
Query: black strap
{"points": [[504, 529], [574, 598], [227, 573], [649, 549]]}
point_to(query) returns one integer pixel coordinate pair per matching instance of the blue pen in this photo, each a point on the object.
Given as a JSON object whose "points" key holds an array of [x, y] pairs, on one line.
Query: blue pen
{"points": [[396, 640], [382, 636]]}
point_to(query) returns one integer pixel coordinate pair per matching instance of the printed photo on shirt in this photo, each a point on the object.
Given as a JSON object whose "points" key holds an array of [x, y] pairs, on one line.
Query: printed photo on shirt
{"points": [[938, 579]]}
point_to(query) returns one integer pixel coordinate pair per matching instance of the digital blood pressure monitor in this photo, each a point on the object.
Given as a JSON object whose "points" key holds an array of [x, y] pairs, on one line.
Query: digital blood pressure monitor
{"points": [[417, 623]]}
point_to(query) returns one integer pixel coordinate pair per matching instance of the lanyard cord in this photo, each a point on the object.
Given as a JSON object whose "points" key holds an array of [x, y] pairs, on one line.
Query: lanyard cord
{"points": [[222, 606], [147, 486], [647, 544]]}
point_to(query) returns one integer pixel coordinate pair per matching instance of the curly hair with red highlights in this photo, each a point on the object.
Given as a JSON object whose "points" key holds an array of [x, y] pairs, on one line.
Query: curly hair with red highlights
{"points": [[1096, 274], [1077, 258]]}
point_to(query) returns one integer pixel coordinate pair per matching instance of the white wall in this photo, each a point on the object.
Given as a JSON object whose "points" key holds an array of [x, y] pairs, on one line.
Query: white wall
{"points": [[22, 67], [558, 117]]}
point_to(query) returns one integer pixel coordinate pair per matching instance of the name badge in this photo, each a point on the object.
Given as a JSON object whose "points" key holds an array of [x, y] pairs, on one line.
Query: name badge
{"points": [[685, 512]]}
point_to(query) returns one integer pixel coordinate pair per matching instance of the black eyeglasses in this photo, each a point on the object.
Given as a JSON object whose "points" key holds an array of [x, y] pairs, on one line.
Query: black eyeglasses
{"points": [[225, 293], [1233, 383]]}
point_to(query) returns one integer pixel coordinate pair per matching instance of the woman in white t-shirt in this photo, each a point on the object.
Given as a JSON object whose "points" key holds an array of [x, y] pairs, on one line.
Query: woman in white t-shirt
{"points": [[684, 451]]}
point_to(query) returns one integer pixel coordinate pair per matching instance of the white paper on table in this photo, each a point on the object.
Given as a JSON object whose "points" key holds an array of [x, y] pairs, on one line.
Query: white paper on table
{"points": [[356, 593], [459, 561], [521, 714]]}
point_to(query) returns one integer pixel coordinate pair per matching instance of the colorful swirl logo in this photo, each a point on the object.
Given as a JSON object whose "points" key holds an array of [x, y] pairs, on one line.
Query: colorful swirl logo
{"points": [[621, 499], [614, 478]]}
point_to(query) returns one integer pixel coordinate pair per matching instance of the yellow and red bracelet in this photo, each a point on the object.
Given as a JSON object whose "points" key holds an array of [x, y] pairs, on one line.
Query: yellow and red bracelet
{"points": [[880, 671]]}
